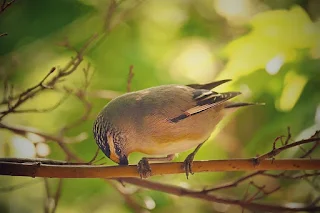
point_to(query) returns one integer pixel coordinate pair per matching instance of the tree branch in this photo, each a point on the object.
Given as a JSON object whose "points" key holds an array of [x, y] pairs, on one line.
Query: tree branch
{"points": [[179, 191], [130, 77], [3, 34], [5, 5], [275, 151], [42, 169], [60, 140]]}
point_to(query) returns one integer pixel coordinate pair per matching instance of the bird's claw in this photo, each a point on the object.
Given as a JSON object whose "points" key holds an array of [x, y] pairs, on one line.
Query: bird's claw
{"points": [[188, 164], [144, 168]]}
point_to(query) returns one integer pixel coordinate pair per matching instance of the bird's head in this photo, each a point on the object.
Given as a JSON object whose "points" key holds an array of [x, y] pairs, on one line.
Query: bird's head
{"points": [[110, 140]]}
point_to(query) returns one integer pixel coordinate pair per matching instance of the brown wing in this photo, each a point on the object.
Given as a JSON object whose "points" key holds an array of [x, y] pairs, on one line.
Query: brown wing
{"points": [[204, 100]]}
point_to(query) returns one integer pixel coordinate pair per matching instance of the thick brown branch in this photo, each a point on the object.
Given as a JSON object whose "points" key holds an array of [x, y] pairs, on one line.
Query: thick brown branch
{"points": [[40, 169]]}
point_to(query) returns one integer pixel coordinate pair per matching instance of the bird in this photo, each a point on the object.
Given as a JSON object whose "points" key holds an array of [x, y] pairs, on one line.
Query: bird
{"points": [[161, 121]]}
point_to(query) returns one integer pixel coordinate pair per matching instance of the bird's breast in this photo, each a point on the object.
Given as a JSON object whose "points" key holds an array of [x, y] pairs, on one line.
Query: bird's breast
{"points": [[160, 148]]}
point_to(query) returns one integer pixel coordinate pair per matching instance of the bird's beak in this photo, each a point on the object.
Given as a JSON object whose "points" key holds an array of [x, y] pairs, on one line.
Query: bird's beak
{"points": [[123, 160]]}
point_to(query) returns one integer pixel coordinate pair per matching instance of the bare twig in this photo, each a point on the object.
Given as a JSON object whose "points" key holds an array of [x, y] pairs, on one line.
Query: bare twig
{"points": [[288, 136], [5, 5], [233, 184], [60, 140], [130, 76], [260, 190], [276, 151], [81, 94], [48, 196], [129, 199], [24, 96], [55, 106], [57, 196], [293, 177], [95, 156], [179, 191], [51, 203], [124, 15], [110, 11], [69, 68], [315, 145]]}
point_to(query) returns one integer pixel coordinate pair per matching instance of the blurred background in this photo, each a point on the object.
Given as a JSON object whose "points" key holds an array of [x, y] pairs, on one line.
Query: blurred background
{"points": [[270, 48]]}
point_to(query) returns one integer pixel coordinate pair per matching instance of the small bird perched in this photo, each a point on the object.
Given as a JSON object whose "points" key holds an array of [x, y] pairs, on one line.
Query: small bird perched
{"points": [[161, 120]]}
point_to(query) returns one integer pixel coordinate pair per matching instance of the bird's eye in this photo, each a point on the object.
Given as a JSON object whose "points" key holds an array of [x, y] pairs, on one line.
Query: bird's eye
{"points": [[118, 150]]}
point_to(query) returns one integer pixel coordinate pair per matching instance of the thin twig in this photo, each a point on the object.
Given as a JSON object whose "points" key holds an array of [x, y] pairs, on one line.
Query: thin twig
{"points": [[314, 146], [60, 140], [129, 199], [130, 76], [95, 156], [260, 190], [49, 109], [288, 136], [111, 9], [293, 177], [179, 191], [5, 5], [24, 96], [81, 94], [57, 196], [47, 197], [274, 152], [234, 183]]}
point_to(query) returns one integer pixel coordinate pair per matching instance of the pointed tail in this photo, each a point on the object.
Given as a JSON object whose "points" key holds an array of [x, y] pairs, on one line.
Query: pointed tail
{"points": [[209, 86], [235, 105]]}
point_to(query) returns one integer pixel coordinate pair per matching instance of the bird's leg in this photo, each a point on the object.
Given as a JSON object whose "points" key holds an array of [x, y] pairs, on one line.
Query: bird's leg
{"points": [[144, 166], [189, 159]]}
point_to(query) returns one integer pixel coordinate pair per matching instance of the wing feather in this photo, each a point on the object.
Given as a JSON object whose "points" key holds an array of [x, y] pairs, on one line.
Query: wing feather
{"points": [[204, 100]]}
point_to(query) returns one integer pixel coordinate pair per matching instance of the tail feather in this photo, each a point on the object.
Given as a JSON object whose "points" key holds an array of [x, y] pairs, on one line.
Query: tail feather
{"points": [[208, 86], [235, 105]]}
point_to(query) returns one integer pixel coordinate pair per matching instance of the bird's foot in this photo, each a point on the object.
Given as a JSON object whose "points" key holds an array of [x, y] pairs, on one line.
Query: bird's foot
{"points": [[144, 168], [188, 164]]}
